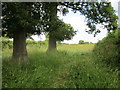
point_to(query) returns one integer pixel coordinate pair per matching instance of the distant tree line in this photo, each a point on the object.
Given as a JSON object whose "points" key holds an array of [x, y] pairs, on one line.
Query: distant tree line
{"points": [[83, 42]]}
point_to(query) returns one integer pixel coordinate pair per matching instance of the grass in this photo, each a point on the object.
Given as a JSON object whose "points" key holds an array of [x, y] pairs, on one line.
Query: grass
{"points": [[72, 66]]}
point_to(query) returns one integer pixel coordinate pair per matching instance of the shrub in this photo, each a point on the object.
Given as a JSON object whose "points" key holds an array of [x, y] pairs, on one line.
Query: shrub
{"points": [[81, 42], [7, 44], [31, 42], [108, 49]]}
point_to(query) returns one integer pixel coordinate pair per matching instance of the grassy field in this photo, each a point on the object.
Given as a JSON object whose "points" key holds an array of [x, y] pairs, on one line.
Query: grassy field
{"points": [[73, 66]]}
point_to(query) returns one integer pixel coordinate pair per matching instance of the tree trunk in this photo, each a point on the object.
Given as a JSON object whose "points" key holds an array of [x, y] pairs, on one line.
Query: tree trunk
{"points": [[52, 43], [19, 47]]}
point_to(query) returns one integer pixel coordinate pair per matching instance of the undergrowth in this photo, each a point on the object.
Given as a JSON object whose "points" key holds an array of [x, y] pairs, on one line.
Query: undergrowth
{"points": [[72, 66]]}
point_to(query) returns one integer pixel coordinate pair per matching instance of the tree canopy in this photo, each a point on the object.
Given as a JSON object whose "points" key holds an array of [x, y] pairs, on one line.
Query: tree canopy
{"points": [[36, 16], [95, 13], [62, 31], [21, 16]]}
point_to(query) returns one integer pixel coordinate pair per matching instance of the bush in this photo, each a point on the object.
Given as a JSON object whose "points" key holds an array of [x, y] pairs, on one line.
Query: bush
{"points": [[108, 49], [9, 44], [38, 43], [83, 42]]}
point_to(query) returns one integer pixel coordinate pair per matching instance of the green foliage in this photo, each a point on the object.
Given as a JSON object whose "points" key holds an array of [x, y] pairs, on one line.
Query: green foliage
{"points": [[54, 26], [7, 44], [81, 42], [86, 43], [19, 16], [34, 17], [95, 13], [108, 49], [36, 43], [71, 67], [62, 31]]}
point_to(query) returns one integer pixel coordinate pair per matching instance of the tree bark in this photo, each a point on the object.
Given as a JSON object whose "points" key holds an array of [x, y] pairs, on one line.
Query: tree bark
{"points": [[52, 41], [19, 47]]}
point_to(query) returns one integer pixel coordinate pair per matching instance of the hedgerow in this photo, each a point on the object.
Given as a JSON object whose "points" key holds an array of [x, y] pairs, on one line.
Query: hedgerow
{"points": [[108, 49], [9, 44]]}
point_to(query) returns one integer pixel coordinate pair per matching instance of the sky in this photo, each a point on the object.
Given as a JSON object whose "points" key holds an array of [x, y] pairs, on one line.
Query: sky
{"points": [[77, 21]]}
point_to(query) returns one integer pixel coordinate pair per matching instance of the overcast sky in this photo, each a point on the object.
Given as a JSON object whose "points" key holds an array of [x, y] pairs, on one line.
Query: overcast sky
{"points": [[78, 23]]}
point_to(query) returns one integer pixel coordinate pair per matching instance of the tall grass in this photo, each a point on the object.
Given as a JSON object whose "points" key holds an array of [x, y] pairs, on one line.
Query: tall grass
{"points": [[71, 67]]}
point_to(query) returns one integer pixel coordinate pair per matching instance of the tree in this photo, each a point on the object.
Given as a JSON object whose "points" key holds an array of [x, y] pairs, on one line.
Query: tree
{"points": [[52, 22], [56, 28], [81, 42], [60, 32], [96, 13], [19, 20], [22, 19]]}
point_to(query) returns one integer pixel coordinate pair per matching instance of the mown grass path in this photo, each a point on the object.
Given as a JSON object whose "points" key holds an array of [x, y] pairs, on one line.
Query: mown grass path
{"points": [[73, 66]]}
